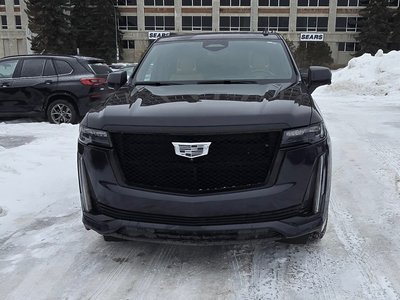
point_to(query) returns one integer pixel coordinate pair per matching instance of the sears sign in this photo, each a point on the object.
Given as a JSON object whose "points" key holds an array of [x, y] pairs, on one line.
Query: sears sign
{"points": [[153, 35], [311, 37]]}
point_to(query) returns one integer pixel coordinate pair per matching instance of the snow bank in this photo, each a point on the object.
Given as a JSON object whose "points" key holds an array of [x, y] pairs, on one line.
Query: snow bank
{"points": [[377, 75]]}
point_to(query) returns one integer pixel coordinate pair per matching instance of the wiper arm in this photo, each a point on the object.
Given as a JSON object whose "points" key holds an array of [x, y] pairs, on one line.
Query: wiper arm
{"points": [[156, 83], [227, 81]]}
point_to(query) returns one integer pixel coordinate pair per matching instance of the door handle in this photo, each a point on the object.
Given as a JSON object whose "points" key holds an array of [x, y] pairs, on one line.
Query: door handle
{"points": [[5, 84], [48, 82]]}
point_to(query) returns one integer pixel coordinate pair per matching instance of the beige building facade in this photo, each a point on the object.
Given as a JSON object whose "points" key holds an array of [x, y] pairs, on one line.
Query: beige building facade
{"points": [[141, 21], [13, 28]]}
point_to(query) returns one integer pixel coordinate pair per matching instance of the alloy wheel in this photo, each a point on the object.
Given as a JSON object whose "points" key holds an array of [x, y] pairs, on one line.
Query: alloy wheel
{"points": [[61, 113]]}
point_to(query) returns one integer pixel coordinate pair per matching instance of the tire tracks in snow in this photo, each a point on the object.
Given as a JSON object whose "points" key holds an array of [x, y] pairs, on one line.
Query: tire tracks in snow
{"points": [[291, 272], [156, 266], [114, 273], [241, 262], [376, 287]]}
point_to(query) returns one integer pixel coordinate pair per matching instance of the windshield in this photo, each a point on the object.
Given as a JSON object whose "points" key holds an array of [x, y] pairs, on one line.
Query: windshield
{"points": [[216, 60]]}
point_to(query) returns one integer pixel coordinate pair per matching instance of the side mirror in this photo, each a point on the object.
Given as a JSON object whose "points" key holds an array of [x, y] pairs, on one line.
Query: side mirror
{"points": [[117, 79], [318, 76]]}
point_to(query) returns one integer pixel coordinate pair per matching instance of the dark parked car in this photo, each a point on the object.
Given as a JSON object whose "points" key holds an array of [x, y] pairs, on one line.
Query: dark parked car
{"points": [[218, 140], [62, 88]]}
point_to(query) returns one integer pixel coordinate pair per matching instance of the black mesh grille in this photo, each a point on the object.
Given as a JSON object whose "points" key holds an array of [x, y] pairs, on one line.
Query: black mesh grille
{"points": [[202, 221], [234, 161]]}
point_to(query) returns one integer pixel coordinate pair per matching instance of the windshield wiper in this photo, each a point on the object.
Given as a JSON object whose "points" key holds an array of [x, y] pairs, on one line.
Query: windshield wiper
{"points": [[227, 81], [156, 83]]}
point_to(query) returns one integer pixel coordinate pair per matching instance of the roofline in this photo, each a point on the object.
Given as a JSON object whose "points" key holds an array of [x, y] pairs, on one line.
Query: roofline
{"points": [[50, 55], [191, 34]]}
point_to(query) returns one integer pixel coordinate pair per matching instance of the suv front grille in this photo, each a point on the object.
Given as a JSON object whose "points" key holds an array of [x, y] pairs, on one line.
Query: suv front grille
{"points": [[234, 161]]}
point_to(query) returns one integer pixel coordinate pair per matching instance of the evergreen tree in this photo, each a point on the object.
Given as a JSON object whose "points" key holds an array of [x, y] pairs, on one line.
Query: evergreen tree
{"points": [[395, 37], [291, 45], [375, 27], [93, 28], [49, 23], [313, 54]]}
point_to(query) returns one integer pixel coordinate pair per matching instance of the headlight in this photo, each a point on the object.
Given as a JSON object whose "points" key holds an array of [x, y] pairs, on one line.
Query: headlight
{"points": [[305, 135], [95, 137]]}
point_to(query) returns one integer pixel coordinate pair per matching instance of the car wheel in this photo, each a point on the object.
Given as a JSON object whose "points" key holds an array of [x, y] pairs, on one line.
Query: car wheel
{"points": [[61, 111], [109, 238]]}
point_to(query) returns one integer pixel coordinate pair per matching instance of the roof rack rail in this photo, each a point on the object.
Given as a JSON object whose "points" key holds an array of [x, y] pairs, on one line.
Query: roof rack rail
{"points": [[266, 32]]}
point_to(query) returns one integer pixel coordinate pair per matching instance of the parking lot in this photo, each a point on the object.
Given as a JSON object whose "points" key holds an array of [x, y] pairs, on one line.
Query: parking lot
{"points": [[45, 253]]}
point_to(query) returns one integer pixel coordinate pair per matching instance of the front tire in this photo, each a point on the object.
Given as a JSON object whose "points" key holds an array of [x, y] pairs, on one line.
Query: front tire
{"points": [[61, 111]]}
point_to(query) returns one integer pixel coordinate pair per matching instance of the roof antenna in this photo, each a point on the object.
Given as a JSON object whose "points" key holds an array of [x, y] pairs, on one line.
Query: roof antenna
{"points": [[44, 50]]}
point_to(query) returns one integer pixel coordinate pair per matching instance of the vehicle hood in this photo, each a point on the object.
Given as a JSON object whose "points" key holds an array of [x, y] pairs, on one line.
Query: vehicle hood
{"points": [[198, 105]]}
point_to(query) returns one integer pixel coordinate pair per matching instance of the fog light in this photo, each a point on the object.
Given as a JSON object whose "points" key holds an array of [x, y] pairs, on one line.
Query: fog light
{"points": [[84, 187]]}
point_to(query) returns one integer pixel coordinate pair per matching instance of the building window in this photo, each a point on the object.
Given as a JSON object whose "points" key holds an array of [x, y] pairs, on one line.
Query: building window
{"points": [[347, 24], [312, 24], [4, 22], [126, 2], [128, 44], [234, 23], [273, 23], [196, 2], [2, 2], [353, 2], [16, 2], [159, 22], [196, 23], [18, 24], [349, 47], [313, 3], [273, 2], [159, 2], [393, 3], [127, 23], [235, 2]]}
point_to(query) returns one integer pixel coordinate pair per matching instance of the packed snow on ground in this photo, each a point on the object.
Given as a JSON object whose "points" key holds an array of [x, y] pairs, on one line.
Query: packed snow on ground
{"points": [[45, 253]]}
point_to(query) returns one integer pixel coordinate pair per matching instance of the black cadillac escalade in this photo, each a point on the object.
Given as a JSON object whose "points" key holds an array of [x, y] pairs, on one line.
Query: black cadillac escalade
{"points": [[217, 139]]}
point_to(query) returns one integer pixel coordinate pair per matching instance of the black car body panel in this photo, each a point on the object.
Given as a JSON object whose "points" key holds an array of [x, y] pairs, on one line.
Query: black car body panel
{"points": [[138, 188], [209, 105]]}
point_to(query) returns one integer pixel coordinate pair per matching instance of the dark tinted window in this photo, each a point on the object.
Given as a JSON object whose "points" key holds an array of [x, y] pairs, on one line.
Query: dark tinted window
{"points": [[32, 67], [63, 67], [49, 69], [100, 68]]}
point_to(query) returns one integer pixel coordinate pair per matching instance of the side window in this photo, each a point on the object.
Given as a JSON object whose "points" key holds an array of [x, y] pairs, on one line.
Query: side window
{"points": [[7, 68], [49, 69], [63, 68], [32, 67]]}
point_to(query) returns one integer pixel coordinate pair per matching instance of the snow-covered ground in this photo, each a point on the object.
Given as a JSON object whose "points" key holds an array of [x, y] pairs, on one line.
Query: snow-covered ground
{"points": [[45, 253]]}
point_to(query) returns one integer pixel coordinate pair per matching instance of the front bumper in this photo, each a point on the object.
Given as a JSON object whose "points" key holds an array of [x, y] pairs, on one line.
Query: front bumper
{"points": [[148, 215], [221, 234]]}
